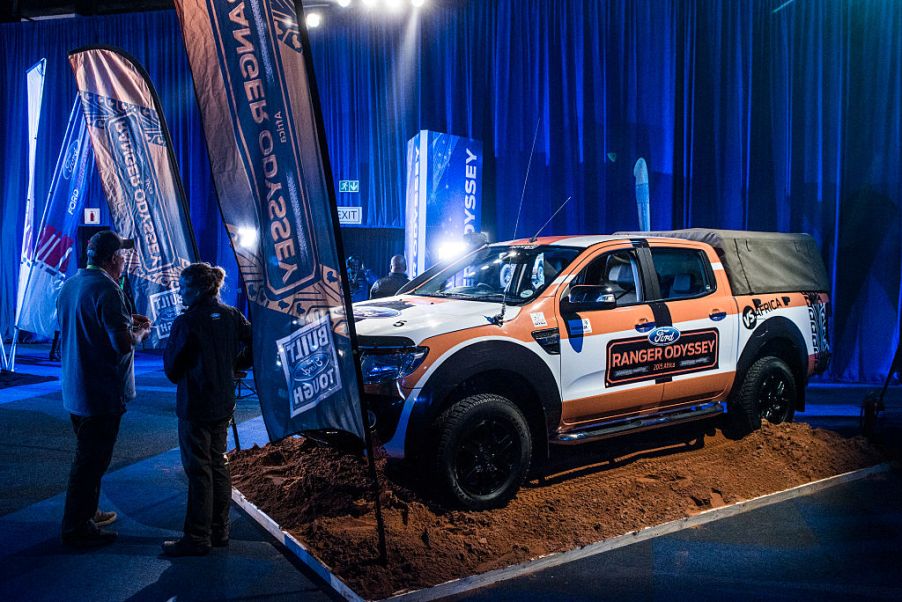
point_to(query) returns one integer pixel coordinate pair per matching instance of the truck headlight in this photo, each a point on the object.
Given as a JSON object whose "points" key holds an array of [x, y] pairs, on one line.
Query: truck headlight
{"points": [[389, 364]]}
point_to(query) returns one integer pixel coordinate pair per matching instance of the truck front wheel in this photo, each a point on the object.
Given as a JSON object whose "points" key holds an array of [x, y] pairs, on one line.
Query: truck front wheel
{"points": [[769, 391], [484, 450]]}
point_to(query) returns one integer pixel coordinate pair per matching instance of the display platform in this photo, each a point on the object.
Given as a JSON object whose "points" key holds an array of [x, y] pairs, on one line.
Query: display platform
{"points": [[474, 582], [577, 510]]}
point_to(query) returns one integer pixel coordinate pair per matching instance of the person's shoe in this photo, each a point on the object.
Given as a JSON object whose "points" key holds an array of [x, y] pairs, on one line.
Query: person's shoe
{"points": [[102, 519], [220, 542], [184, 547], [89, 539]]}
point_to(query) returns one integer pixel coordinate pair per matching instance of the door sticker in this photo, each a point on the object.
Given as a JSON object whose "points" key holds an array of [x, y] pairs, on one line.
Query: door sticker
{"points": [[665, 353]]}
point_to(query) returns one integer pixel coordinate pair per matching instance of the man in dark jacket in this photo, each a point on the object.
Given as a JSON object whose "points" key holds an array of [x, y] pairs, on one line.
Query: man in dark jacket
{"points": [[397, 277], [98, 334], [208, 342]]}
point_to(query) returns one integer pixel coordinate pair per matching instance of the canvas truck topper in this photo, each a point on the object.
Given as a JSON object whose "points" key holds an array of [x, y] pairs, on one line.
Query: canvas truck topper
{"points": [[758, 263]]}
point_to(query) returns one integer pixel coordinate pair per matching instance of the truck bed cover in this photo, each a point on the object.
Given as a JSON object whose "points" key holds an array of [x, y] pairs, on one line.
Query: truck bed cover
{"points": [[759, 262]]}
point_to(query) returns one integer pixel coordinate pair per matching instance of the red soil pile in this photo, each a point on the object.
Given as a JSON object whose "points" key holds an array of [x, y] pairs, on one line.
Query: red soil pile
{"points": [[324, 498]]}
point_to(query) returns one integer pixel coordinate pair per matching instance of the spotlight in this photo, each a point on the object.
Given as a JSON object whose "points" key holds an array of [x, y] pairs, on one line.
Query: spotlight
{"points": [[313, 20], [369, 3], [451, 250], [344, 3], [247, 238], [417, 3], [393, 4]]}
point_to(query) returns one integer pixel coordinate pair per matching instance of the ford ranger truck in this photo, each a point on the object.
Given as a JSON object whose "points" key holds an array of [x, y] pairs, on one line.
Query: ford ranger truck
{"points": [[521, 345]]}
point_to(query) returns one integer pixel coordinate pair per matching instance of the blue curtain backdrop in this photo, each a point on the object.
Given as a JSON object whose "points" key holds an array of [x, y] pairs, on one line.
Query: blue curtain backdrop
{"points": [[762, 115]]}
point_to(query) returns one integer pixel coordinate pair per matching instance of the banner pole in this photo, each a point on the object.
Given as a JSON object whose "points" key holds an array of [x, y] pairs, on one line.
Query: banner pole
{"points": [[342, 269], [11, 360]]}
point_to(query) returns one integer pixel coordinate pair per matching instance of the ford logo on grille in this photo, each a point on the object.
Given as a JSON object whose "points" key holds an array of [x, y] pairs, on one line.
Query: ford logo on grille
{"points": [[663, 336], [310, 366]]}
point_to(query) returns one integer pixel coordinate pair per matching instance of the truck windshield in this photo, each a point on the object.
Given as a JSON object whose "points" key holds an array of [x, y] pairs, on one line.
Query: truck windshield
{"points": [[514, 274]]}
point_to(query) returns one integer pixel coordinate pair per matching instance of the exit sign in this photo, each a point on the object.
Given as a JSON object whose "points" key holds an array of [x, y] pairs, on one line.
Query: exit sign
{"points": [[349, 186], [350, 215]]}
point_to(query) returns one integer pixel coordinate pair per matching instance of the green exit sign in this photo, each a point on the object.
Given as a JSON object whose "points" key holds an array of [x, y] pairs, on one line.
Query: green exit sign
{"points": [[349, 186]]}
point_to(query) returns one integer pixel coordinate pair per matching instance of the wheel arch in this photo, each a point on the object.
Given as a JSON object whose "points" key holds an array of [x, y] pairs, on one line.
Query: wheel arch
{"points": [[780, 337], [500, 367]]}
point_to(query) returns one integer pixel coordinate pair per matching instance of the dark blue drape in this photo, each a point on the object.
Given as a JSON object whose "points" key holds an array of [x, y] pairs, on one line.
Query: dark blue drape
{"points": [[761, 115]]}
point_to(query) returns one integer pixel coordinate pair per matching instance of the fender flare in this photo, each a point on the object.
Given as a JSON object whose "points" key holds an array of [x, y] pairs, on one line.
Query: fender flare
{"points": [[772, 329], [470, 362]]}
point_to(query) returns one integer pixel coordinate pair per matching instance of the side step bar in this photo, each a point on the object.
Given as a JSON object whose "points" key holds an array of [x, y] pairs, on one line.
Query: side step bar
{"points": [[634, 425]]}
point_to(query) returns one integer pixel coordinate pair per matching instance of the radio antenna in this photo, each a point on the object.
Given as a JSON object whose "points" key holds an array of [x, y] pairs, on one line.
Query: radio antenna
{"points": [[526, 179], [536, 235], [499, 318]]}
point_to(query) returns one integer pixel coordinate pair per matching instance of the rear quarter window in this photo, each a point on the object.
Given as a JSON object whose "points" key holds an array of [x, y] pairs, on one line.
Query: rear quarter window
{"points": [[682, 273]]}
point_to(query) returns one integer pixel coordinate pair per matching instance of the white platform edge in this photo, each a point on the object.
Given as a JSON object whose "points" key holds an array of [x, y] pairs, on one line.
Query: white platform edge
{"points": [[295, 547], [464, 584]]}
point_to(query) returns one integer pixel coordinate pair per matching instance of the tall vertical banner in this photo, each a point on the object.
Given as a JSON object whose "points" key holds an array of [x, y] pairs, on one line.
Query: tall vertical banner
{"points": [[51, 261], [271, 173], [444, 196], [34, 79], [140, 177]]}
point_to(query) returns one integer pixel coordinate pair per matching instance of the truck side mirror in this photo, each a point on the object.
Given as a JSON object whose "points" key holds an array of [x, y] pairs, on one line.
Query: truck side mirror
{"points": [[584, 297]]}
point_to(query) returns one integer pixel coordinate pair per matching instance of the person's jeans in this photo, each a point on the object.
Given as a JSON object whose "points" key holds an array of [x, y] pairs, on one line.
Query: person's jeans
{"points": [[203, 449], [96, 436]]}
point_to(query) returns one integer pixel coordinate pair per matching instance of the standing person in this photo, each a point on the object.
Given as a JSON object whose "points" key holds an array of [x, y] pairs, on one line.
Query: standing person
{"points": [[360, 279], [206, 345], [98, 335], [388, 286]]}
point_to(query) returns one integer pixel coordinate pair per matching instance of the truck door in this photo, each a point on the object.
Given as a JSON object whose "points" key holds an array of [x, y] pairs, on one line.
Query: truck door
{"points": [[604, 352], [701, 308]]}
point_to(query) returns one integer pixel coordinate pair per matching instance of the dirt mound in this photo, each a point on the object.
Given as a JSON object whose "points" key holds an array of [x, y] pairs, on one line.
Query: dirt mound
{"points": [[324, 497]]}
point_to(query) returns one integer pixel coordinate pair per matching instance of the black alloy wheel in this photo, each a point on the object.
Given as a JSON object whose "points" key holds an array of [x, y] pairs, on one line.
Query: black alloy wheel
{"points": [[773, 401], [483, 451], [485, 456], [769, 391]]}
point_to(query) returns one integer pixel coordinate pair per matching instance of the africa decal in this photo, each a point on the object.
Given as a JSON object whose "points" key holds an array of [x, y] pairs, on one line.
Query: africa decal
{"points": [[664, 352]]}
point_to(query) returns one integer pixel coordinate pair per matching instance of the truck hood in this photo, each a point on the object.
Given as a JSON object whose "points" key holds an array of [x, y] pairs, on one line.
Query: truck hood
{"points": [[419, 318]]}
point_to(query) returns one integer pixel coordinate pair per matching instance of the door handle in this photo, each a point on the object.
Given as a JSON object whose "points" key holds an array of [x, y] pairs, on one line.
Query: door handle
{"points": [[717, 315], [644, 325]]}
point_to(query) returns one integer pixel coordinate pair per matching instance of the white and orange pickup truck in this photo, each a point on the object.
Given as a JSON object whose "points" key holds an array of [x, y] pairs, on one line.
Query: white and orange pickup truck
{"points": [[490, 360]]}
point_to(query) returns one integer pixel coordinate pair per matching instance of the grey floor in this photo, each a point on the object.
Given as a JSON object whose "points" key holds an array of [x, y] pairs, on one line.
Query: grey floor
{"points": [[841, 543]]}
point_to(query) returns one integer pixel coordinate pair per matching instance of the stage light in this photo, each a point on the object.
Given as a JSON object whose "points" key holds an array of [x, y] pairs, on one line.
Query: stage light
{"points": [[393, 4], [313, 20], [417, 3], [369, 3], [247, 238], [451, 249], [344, 3]]}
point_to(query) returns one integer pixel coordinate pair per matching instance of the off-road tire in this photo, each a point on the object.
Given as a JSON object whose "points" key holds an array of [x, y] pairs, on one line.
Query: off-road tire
{"points": [[483, 453], [762, 396]]}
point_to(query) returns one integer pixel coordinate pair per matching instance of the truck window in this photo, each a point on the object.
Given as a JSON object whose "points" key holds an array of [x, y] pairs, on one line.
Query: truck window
{"points": [[618, 270], [682, 273]]}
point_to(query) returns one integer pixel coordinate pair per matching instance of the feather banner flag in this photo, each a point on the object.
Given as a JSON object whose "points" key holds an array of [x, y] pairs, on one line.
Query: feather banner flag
{"points": [[140, 177], [51, 261], [270, 167]]}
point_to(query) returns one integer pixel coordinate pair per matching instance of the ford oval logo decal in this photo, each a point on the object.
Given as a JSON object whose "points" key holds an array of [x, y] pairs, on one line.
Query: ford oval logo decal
{"points": [[663, 336], [374, 311], [310, 366]]}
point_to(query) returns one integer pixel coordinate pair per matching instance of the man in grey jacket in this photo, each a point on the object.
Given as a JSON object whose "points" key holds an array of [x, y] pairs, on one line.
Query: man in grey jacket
{"points": [[98, 336]]}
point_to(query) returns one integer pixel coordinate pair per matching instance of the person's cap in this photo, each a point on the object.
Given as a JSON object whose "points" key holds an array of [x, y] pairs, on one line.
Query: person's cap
{"points": [[103, 245]]}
